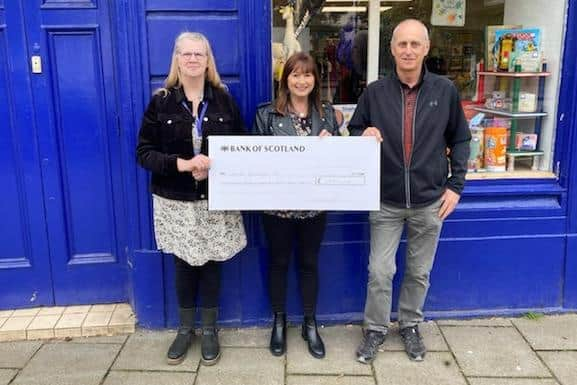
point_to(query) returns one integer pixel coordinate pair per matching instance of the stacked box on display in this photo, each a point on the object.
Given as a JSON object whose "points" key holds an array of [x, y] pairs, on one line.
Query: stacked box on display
{"points": [[518, 47]]}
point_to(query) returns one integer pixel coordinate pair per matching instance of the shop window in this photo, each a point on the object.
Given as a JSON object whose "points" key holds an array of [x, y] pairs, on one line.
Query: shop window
{"points": [[335, 35], [467, 39]]}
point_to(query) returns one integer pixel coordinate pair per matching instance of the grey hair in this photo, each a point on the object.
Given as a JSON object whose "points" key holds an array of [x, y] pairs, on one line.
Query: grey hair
{"points": [[407, 21]]}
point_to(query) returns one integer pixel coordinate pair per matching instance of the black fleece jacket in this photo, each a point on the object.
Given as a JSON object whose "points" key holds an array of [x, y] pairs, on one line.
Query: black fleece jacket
{"points": [[439, 123]]}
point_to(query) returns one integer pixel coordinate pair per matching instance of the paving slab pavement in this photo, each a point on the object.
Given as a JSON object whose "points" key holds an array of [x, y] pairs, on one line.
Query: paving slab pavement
{"points": [[393, 368], [119, 340], [489, 322], [241, 366], [17, 354], [340, 345], [242, 338], [116, 377], [499, 351], [330, 380], [563, 365], [68, 364], [6, 375], [558, 332], [511, 381], [146, 350]]}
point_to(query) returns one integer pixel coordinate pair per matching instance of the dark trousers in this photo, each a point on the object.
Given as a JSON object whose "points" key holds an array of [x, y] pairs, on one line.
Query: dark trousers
{"points": [[281, 234], [190, 280]]}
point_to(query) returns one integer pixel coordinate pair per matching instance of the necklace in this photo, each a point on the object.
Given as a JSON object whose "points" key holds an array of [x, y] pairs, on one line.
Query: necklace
{"points": [[197, 97], [299, 113]]}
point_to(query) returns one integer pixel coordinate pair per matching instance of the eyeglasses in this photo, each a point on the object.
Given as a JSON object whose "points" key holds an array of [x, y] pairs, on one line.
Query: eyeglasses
{"points": [[190, 55]]}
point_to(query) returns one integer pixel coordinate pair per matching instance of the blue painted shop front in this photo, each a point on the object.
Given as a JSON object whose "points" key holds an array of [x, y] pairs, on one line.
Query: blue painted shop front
{"points": [[76, 210]]}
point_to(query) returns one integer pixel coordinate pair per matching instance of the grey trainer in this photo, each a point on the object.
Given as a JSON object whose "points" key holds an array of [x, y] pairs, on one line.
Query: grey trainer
{"points": [[367, 350], [413, 341]]}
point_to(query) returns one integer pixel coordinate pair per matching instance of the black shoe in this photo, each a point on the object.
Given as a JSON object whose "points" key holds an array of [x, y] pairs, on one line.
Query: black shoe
{"points": [[413, 341], [278, 335], [209, 346], [310, 334], [179, 347], [367, 350]]}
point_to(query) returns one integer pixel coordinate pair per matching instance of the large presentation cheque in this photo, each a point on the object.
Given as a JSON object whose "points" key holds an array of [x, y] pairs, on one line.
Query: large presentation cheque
{"points": [[293, 173]]}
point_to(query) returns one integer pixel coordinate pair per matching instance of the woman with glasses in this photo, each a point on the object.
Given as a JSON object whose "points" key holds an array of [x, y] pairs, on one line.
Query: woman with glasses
{"points": [[173, 145], [297, 111]]}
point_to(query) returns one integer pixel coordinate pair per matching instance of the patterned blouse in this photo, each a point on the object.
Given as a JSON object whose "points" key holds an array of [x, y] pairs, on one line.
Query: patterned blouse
{"points": [[303, 128]]}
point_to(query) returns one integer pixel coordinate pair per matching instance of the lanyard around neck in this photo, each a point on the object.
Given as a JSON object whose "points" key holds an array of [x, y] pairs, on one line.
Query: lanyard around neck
{"points": [[199, 119]]}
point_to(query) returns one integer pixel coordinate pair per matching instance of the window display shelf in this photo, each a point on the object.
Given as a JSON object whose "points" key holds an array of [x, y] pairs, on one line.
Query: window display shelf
{"points": [[522, 174], [515, 74], [516, 115], [531, 102], [535, 156], [524, 153]]}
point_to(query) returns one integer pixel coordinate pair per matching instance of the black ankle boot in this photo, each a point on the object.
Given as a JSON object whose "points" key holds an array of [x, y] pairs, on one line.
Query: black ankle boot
{"points": [[209, 346], [278, 335], [179, 347], [311, 335]]}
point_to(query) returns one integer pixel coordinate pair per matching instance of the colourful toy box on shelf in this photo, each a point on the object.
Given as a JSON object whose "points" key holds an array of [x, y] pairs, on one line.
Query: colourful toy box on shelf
{"points": [[513, 56], [517, 47], [477, 144], [496, 135]]}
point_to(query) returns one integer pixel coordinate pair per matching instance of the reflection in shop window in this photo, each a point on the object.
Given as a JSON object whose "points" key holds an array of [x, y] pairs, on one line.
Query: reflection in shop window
{"points": [[472, 36], [455, 51], [334, 33], [464, 42]]}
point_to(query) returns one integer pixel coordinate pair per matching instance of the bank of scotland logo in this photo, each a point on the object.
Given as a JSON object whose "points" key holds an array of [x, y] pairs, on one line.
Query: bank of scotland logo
{"points": [[224, 148]]}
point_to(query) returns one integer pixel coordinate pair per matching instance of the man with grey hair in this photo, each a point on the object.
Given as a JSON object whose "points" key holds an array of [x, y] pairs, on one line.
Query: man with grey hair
{"points": [[416, 116]]}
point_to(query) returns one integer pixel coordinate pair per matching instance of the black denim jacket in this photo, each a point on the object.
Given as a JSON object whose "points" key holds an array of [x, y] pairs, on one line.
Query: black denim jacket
{"points": [[166, 134]]}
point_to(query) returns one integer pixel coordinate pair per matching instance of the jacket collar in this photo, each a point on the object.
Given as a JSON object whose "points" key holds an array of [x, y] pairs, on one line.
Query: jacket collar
{"points": [[315, 117], [422, 79], [316, 123], [208, 92]]}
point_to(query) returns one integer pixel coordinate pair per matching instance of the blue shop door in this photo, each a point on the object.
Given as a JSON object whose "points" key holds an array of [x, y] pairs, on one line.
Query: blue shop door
{"points": [[25, 276], [79, 142]]}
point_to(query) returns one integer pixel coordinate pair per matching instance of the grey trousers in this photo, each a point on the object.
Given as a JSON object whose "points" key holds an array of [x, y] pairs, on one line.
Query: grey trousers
{"points": [[423, 230]]}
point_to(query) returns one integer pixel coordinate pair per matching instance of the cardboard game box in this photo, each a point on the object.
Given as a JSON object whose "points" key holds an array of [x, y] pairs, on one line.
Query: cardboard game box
{"points": [[490, 59], [526, 48]]}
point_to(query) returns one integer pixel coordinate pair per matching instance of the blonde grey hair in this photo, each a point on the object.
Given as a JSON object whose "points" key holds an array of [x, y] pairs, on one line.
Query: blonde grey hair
{"points": [[173, 78]]}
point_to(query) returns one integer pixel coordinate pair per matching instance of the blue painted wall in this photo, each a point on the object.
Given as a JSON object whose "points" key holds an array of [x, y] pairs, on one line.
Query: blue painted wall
{"points": [[506, 250], [567, 136], [510, 247]]}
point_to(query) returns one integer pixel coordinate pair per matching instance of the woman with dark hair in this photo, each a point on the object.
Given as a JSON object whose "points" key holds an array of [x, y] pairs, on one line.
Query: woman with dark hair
{"points": [[173, 145], [297, 111]]}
